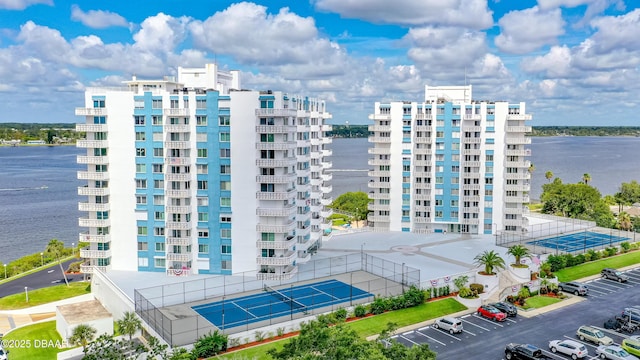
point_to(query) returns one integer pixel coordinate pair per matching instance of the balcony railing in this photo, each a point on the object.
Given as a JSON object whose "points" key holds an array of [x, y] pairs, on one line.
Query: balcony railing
{"points": [[379, 128], [283, 145], [277, 112], [178, 160], [378, 218], [276, 179], [519, 117], [87, 206], [91, 128], [519, 152], [178, 193], [86, 237], [89, 144], [92, 160], [93, 175], [278, 245], [174, 225], [326, 201], [380, 196], [88, 191], [176, 112], [517, 140], [379, 139], [518, 176], [177, 177], [178, 241], [284, 228], [275, 129], [277, 195], [285, 162], [278, 274], [176, 209], [177, 128], [179, 257], [88, 269], [287, 211], [87, 222], [379, 162], [278, 260], [177, 145], [524, 129], [421, 220], [95, 254], [379, 151], [91, 111]]}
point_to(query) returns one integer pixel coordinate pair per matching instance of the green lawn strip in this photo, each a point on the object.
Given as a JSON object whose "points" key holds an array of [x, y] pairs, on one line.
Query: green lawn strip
{"points": [[369, 325], [46, 266], [37, 341], [594, 267], [538, 301], [44, 295]]}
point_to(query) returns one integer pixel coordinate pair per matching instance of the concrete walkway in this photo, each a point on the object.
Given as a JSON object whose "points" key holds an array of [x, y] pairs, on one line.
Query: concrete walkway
{"points": [[13, 319]]}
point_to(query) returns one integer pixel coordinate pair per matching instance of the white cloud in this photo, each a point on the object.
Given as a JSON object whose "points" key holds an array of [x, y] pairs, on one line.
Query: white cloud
{"points": [[161, 33], [523, 31], [445, 48], [594, 7], [97, 19], [556, 63], [22, 4], [474, 14], [617, 32]]}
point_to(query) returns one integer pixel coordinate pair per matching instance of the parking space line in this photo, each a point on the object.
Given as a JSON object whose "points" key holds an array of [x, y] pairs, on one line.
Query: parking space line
{"points": [[423, 328], [470, 323], [444, 333], [469, 332], [609, 286], [513, 321], [598, 291], [429, 337], [408, 332], [411, 341], [618, 285], [487, 320], [593, 286]]}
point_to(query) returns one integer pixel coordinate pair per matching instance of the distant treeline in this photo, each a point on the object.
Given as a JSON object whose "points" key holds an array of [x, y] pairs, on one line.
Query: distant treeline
{"points": [[38, 131], [359, 131]]}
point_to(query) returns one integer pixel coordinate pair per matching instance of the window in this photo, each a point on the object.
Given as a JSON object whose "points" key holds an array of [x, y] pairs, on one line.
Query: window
{"points": [[143, 262], [225, 153], [156, 120], [138, 104], [225, 137], [225, 219], [142, 230], [159, 263], [203, 184], [203, 248], [225, 169], [98, 103], [225, 265], [141, 168], [100, 152], [159, 246], [266, 138], [203, 233], [141, 199], [174, 104], [203, 216], [159, 215], [140, 136], [157, 168], [267, 188], [143, 246], [226, 249], [201, 103], [158, 184], [202, 168], [203, 201], [158, 152], [224, 120], [225, 233], [202, 153], [159, 231], [158, 199], [156, 104], [201, 120], [141, 152], [141, 184]]}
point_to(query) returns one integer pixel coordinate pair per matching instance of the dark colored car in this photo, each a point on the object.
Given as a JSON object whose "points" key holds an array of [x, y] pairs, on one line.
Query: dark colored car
{"points": [[574, 288], [492, 313], [613, 274], [509, 309], [634, 313]]}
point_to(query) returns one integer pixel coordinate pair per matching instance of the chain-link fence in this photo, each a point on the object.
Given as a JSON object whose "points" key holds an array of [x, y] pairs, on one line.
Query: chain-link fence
{"points": [[553, 226], [358, 278]]}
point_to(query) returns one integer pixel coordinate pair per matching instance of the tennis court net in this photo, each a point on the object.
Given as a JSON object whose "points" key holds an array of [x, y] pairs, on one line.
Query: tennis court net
{"points": [[285, 298]]}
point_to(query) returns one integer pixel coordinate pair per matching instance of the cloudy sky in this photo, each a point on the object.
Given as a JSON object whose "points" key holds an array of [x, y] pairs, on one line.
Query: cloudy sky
{"points": [[575, 62]]}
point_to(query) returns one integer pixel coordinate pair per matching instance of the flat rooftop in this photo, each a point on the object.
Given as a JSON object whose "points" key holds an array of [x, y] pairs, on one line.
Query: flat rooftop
{"points": [[83, 312]]}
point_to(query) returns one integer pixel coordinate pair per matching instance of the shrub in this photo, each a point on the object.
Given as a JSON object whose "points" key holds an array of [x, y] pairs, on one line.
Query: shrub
{"points": [[280, 331], [360, 311], [259, 335], [511, 299], [611, 251], [414, 296], [557, 262], [524, 292], [212, 344], [340, 315], [580, 259], [625, 246], [634, 246], [74, 267], [466, 293], [594, 255], [379, 305], [477, 288], [233, 342]]}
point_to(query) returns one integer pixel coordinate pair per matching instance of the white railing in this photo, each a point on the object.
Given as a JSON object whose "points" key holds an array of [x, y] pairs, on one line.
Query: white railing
{"points": [[278, 195], [275, 129], [91, 111], [177, 177], [178, 257], [92, 160], [286, 162], [87, 206], [176, 112], [87, 191], [177, 128], [182, 241], [95, 254], [279, 245], [177, 145], [178, 225], [175, 209], [87, 222], [276, 179], [93, 175], [86, 237], [282, 145], [276, 212], [178, 160], [281, 260], [90, 128], [277, 112], [92, 143]]}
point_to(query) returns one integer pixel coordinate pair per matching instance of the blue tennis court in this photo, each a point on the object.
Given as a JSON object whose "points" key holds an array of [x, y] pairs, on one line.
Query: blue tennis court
{"points": [[579, 241], [235, 312]]}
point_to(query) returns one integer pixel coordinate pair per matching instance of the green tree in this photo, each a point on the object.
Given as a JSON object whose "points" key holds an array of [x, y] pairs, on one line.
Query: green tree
{"points": [[624, 221], [586, 178], [518, 252], [82, 336], [548, 175], [129, 324], [531, 168], [490, 260], [54, 249], [355, 203]]}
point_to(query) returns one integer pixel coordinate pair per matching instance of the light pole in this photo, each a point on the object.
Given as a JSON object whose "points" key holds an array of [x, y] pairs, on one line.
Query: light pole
{"points": [[26, 292], [73, 249], [41, 259], [5, 271]]}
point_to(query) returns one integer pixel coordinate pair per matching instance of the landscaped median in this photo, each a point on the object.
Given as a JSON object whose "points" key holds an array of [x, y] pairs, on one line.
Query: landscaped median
{"points": [[44, 295]]}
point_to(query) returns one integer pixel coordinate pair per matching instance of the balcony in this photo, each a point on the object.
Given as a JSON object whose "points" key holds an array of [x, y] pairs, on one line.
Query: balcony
{"points": [[315, 182], [178, 193], [422, 197], [386, 128], [326, 188], [379, 151], [177, 128], [470, 151], [326, 225], [175, 112], [177, 161], [175, 209], [471, 163], [520, 152], [93, 175], [471, 198], [88, 269], [423, 116], [472, 128], [378, 184], [421, 220], [283, 228], [470, 221], [90, 144], [276, 179], [470, 186], [518, 176], [379, 139], [278, 260], [95, 254], [376, 207], [326, 201], [89, 191], [281, 274], [86, 237], [178, 272], [178, 241], [380, 117], [91, 112], [375, 162], [327, 140], [303, 257], [378, 218], [519, 129], [177, 145], [471, 140], [87, 206], [176, 225], [275, 129], [92, 160], [93, 223], [422, 186], [327, 164], [472, 117], [422, 162], [422, 140], [379, 196], [327, 127], [517, 187], [276, 195], [91, 128], [523, 210], [283, 145], [517, 140], [326, 212], [471, 209], [178, 257], [177, 177], [277, 112], [284, 162], [327, 176], [278, 245], [523, 117], [287, 211], [519, 164]]}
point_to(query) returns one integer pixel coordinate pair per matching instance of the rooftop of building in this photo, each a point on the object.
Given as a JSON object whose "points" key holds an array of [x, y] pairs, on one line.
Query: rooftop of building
{"points": [[83, 312]]}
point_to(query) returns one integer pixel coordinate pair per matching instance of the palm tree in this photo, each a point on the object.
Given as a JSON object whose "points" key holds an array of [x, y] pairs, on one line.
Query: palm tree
{"points": [[54, 249], [586, 178], [129, 324], [518, 251], [548, 175], [490, 260], [82, 335], [624, 221]]}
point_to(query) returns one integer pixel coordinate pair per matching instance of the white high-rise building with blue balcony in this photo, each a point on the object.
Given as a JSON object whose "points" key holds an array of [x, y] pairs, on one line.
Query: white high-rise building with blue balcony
{"points": [[449, 164], [195, 175]]}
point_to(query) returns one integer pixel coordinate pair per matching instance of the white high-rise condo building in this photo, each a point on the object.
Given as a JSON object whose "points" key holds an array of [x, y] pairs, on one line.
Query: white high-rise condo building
{"points": [[196, 176], [449, 164]]}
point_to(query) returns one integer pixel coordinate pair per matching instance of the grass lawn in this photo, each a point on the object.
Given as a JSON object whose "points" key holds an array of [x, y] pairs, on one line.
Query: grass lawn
{"points": [[536, 302], [594, 267], [43, 296], [368, 326], [38, 341]]}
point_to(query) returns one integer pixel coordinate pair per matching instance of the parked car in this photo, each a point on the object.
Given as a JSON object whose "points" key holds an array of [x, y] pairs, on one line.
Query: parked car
{"points": [[614, 352], [593, 335], [448, 323], [574, 288], [632, 314], [509, 309], [523, 352], [569, 347], [492, 313], [614, 323], [632, 346], [613, 274]]}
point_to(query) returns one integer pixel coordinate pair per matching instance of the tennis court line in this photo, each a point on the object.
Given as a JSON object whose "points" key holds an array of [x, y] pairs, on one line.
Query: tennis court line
{"points": [[243, 309], [322, 292]]}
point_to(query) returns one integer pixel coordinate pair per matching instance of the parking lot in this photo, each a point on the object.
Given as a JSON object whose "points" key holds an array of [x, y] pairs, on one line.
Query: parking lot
{"points": [[487, 339]]}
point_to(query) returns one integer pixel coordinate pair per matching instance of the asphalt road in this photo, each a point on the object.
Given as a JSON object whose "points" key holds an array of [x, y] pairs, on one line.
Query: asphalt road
{"points": [[41, 279], [484, 339]]}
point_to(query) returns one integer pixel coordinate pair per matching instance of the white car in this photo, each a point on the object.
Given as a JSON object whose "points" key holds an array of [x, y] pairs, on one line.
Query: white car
{"points": [[450, 324], [569, 347], [613, 352]]}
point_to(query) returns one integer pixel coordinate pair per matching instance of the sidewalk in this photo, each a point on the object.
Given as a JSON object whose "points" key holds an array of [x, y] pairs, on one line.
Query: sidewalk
{"points": [[12, 319]]}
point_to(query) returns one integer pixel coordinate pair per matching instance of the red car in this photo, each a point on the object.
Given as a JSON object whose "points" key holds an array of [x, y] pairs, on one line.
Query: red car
{"points": [[491, 312]]}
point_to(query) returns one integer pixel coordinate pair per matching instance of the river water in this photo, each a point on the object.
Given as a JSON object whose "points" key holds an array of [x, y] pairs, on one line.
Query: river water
{"points": [[39, 201]]}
